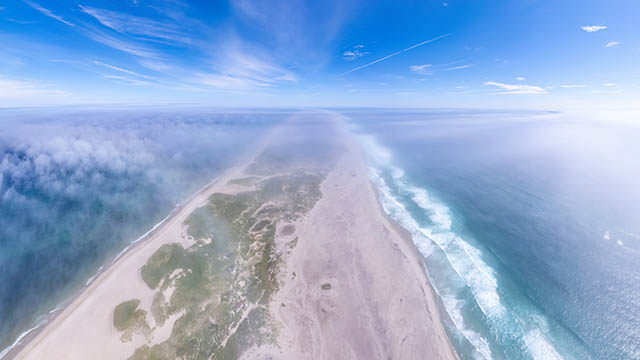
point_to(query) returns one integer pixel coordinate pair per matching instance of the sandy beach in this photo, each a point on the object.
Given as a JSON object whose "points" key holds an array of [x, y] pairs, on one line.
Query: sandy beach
{"points": [[352, 285]]}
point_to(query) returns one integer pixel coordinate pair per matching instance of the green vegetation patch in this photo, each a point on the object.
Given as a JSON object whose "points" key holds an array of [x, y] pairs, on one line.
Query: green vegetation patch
{"points": [[126, 314], [129, 319], [162, 263], [223, 287]]}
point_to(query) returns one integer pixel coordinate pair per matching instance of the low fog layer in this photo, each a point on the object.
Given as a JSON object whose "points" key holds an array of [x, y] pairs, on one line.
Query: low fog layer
{"points": [[77, 185]]}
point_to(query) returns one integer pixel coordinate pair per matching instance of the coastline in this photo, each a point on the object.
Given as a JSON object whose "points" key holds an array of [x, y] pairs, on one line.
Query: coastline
{"points": [[61, 312], [31, 337], [396, 308], [427, 287], [356, 287]]}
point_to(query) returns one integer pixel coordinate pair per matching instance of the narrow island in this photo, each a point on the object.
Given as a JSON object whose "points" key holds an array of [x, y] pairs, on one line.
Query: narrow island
{"points": [[285, 256]]}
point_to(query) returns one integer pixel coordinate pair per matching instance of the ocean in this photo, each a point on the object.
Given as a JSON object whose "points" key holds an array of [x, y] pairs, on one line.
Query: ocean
{"points": [[529, 224], [79, 185]]}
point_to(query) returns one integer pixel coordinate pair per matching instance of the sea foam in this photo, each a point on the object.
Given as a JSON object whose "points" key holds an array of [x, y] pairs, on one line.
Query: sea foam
{"points": [[462, 256]]}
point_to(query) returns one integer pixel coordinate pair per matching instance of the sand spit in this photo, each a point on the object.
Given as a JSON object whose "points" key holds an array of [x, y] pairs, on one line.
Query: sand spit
{"points": [[349, 283], [355, 287]]}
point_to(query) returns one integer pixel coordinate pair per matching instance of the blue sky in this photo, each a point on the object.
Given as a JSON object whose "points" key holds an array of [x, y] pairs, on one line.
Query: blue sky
{"points": [[533, 54]]}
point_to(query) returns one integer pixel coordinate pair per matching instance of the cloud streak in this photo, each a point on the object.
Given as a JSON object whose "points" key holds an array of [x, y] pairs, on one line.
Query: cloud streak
{"points": [[116, 68], [11, 89], [121, 45], [394, 54], [612, 43], [593, 28], [424, 69], [458, 67], [517, 88], [241, 71], [357, 52], [48, 13], [138, 26]]}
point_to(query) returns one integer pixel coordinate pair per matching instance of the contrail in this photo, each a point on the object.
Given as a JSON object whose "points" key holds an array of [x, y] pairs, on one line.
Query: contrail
{"points": [[394, 54]]}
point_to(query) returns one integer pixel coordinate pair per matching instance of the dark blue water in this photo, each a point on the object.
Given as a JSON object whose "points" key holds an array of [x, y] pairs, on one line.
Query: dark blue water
{"points": [[529, 224], [78, 185]]}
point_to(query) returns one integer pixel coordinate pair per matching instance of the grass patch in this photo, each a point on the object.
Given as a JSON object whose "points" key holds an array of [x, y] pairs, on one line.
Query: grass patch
{"points": [[126, 314], [162, 263], [219, 281]]}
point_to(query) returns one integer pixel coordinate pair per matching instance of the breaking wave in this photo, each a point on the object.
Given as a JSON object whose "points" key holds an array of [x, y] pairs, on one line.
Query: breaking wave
{"points": [[460, 271]]}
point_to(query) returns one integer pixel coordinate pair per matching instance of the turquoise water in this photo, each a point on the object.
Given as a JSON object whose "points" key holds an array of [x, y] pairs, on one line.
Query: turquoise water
{"points": [[528, 224], [78, 185]]}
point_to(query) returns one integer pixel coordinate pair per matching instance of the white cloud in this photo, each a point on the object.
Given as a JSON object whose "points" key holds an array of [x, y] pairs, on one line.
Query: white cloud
{"points": [[48, 13], [240, 71], [139, 26], [355, 53], [573, 86], [421, 69], [129, 80], [458, 67], [593, 28], [113, 67], [612, 43], [395, 53], [121, 45], [521, 78], [517, 88], [155, 65], [606, 83], [13, 91]]}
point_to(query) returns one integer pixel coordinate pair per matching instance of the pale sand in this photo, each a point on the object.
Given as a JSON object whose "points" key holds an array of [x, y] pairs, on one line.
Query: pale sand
{"points": [[84, 328], [379, 306]]}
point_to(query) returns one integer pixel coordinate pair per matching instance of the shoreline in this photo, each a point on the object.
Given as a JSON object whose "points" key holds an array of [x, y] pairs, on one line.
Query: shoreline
{"points": [[28, 336], [386, 324], [427, 287], [355, 287]]}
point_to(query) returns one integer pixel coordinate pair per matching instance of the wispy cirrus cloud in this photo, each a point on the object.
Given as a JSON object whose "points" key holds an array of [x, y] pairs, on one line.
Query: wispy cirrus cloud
{"points": [[573, 86], [121, 44], [395, 54], [13, 90], [517, 88], [129, 80], [460, 67], [122, 70], [521, 78], [355, 53], [593, 28], [21, 22], [140, 27], [241, 71], [299, 30], [424, 69], [48, 13], [612, 43]]}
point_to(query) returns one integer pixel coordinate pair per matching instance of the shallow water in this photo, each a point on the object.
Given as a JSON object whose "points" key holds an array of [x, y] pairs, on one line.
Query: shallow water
{"points": [[528, 223]]}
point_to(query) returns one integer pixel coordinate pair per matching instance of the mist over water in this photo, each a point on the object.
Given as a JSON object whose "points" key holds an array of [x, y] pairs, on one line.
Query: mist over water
{"points": [[529, 224], [78, 185]]}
